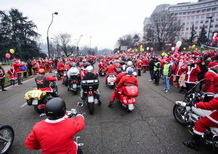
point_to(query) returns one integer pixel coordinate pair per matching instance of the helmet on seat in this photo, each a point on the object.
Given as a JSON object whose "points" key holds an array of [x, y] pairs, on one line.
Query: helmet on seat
{"points": [[55, 108]]}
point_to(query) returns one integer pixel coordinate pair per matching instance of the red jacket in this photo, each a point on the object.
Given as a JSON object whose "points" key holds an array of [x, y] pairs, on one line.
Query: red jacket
{"points": [[60, 66], [211, 82], [127, 80], [17, 67], [55, 137], [139, 65], [211, 105], [192, 74], [119, 77], [111, 69], [11, 74]]}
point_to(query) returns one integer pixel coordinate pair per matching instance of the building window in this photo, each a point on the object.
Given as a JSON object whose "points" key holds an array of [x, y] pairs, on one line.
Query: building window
{"points": [[214, 8], [206, 21], [202, 21], [187, 28], [196, 27], [216, 26], [196, 22]]}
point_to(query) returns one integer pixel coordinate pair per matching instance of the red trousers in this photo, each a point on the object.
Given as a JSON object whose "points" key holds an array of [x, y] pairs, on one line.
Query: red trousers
{"points": [[202, 124], [115, 95]]}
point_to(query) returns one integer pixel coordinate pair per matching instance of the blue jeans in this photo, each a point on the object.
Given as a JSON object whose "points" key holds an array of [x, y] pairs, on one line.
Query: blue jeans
{"points": [[151, 74], [166, 83]]}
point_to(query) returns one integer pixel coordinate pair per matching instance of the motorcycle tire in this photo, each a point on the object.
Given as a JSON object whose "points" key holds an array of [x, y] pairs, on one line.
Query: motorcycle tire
{"points": [[7, 147], [178, 117], [40, 111], [75, 92], [91, 108]]}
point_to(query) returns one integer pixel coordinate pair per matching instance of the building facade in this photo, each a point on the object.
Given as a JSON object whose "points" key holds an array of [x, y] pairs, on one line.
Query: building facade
{"points": [[203, 12]]}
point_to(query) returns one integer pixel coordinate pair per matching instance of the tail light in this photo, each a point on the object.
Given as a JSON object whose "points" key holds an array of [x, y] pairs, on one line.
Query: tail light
{"points": [[90, 93], [74, 81]]}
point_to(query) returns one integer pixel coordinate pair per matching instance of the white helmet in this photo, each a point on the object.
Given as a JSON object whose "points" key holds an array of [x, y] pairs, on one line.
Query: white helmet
{"points": [[89, 69], [129, 63], [74, 71]]}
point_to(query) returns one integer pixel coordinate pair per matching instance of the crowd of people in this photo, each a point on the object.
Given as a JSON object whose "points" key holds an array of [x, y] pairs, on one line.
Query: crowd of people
{"points": [[183, 70]]}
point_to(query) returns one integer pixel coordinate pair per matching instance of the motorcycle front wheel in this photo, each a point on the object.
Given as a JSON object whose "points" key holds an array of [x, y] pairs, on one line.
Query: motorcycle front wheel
{"points": [[6, 138], [178, 113]]}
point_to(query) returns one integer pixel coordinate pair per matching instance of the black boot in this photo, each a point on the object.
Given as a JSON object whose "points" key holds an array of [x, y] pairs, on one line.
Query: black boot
{"points": [[194, 143], [110, 105]]}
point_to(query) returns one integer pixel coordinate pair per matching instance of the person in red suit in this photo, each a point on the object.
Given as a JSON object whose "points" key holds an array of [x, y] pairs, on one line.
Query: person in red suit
{"points": [[139, 66], [43, 82], [191, 78], [145, 64], [202, 124], [114, 94], [55, 134], [211, 81], [111, 69], [128, 79], [17, 64], [12, 75]]}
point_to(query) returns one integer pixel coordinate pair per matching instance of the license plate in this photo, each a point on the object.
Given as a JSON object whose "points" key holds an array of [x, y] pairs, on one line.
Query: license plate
{"points": [[74, 86], [102, 73], [90, 99], [35, 102], [131, 107]]}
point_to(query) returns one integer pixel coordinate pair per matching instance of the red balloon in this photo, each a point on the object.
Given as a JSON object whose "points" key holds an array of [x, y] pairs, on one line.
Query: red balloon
{"points": [[7, 55]]}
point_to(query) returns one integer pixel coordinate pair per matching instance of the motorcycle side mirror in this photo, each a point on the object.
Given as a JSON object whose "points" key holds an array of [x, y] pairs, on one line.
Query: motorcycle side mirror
{"points": [[80, 104]]}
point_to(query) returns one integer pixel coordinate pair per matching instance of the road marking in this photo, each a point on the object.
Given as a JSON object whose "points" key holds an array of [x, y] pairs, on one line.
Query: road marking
{"points": [[23, 105]]}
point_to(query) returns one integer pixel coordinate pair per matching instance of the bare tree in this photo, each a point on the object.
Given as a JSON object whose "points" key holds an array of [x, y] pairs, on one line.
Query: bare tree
{"points": [[62, 42], [128, 40], [164, 27]]}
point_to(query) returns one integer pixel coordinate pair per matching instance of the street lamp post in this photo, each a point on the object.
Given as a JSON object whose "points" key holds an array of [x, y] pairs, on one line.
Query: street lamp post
{"points": [[55, 13], [210, 18], [77, 45]]}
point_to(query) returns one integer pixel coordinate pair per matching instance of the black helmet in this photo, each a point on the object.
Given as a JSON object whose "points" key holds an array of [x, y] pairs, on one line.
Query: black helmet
{"points": [[55, 108], [86, 64]]}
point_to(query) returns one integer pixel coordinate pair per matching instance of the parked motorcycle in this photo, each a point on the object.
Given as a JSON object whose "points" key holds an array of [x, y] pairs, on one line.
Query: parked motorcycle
{"points": [[37, 99], [89, 94], [111, 80], [127, 97], [187, 114], [6, 138]]}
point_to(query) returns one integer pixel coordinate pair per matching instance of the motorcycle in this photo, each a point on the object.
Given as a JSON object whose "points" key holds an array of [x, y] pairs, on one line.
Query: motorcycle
{"points": [[186, 114], [74, 84], [111, 80], [101, 72], [127, 97], [38, 99], [6, 138], [89, 94]]}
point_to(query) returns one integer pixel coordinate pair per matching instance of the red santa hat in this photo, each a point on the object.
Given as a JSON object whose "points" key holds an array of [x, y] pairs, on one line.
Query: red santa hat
{"points": [[213, 64]]}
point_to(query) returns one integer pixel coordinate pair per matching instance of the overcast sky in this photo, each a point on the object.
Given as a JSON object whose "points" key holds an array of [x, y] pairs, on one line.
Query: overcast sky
{"points": [[104, 20]]}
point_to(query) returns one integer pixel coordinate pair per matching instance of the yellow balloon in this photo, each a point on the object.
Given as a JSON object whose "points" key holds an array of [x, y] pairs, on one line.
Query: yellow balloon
{"points": [[12, 51], [193, 46]]}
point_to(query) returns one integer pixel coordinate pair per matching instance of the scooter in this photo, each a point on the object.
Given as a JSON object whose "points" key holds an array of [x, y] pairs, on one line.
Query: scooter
{"points": [[6, 138], [101, 72], [127, 97], [111, 80]]}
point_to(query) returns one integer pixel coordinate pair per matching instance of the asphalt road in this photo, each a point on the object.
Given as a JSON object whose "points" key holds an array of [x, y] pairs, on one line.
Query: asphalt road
{"points": [[149, 129]]}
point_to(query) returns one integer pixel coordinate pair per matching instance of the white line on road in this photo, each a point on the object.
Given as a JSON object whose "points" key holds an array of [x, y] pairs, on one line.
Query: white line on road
{"points": [[19, 85], [23, 105]]}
